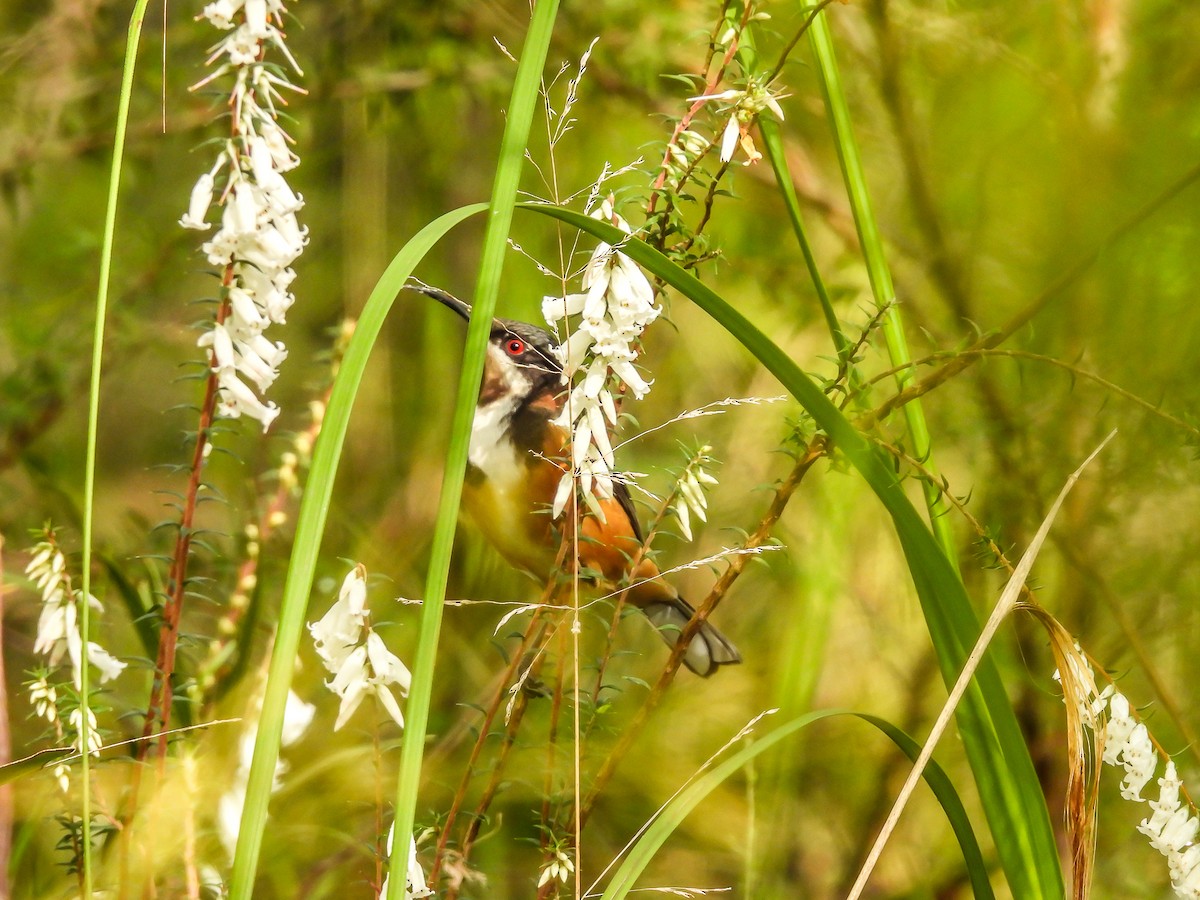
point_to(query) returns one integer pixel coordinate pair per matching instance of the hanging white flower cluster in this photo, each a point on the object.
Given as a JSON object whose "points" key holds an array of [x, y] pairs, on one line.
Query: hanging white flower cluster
{"points": [[297, 716], [58, 626], [746, 106], [615, 309], [259, 238], [559, 868], [691, 497], [350, 649], [414, 886], [1173, 826]]}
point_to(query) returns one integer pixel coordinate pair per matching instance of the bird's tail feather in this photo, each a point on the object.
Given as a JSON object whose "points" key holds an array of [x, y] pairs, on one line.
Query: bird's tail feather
{"points": [[708, 650]]}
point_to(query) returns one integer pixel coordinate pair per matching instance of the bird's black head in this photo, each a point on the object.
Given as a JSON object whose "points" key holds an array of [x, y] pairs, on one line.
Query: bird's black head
{"points": [[523, 360]]}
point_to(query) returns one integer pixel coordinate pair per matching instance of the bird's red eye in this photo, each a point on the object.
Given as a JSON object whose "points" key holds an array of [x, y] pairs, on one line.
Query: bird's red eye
{"points": [[515, 346]]}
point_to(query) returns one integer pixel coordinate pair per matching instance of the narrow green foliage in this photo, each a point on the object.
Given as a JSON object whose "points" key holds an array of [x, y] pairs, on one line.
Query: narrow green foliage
{"points": [[995, 746], [772, 137], [878, 271], [310, 525], [682, 804], [89, 475], [519, 120]]}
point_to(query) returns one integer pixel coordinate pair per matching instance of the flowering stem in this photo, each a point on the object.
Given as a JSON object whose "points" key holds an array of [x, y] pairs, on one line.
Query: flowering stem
{"points": [[710, 86], [158, 714]]}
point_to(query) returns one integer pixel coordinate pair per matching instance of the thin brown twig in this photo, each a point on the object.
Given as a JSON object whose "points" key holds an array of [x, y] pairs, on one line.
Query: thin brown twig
{"points": [[783, 494], [509, 740], [1022, 318], [534, 633], [1051, 361], [710, 85]]}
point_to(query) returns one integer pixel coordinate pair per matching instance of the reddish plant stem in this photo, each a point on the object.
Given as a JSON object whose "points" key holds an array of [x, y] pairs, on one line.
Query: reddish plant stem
{"points": [[532, 633], [493, 785], [710, 85], [158, 714]]}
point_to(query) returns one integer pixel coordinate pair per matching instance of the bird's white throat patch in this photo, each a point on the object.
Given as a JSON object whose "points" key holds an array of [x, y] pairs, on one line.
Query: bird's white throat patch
{"points": [[491, 451]]}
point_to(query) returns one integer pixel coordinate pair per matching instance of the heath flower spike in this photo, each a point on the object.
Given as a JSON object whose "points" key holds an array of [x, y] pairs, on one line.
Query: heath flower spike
{"points": [[260, 237], [1173, 824], [599, 355], [58, 627], [690, 487], [745, 106], [361, 664], [559, 868]]}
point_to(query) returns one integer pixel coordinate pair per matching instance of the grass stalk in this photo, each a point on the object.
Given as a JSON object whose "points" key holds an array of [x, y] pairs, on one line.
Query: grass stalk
{"points": [[310, 525], [877, 268], [1004, 606], [133, 37], [519, 120]]}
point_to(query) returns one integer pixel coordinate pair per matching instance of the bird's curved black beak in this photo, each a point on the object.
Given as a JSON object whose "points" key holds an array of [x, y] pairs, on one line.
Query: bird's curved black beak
{"points": [[459, 306]]}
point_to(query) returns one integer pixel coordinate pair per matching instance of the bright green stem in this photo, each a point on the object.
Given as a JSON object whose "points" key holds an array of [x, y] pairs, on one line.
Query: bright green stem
{"points": [[773, 144], [879, 273], [89, 473], [495, 246], [310, 525]]}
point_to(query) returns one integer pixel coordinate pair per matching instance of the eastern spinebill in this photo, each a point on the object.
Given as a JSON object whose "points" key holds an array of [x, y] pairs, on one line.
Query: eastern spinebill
{"points": [[516, 459]]}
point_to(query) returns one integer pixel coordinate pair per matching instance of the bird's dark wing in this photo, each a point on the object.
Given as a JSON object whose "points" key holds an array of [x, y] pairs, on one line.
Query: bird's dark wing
{"points": [[621, 493]]}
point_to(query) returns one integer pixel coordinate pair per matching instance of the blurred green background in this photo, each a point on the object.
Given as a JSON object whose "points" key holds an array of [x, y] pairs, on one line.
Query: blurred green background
{"points": [[1005, 143]]}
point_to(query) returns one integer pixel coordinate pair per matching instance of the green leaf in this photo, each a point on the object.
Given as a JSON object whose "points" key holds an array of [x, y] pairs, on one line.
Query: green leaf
{"points": [[680, 806], [310, 526], [518, 122], [1003, 770]]}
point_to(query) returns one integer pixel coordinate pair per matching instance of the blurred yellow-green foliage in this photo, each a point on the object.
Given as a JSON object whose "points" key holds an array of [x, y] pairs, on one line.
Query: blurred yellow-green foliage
{"points": [[1005, 143]]}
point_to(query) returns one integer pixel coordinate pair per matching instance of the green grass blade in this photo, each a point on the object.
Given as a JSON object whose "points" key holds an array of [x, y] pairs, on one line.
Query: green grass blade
{"points": [[878, 271], [1004, 773], [310, 526], [89, 471], [943, 788], [673, 814], [773, 149], [519, 120]]}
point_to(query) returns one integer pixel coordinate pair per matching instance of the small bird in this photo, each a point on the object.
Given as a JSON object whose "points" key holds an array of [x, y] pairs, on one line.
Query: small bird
{"points": [[515, 463]]}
